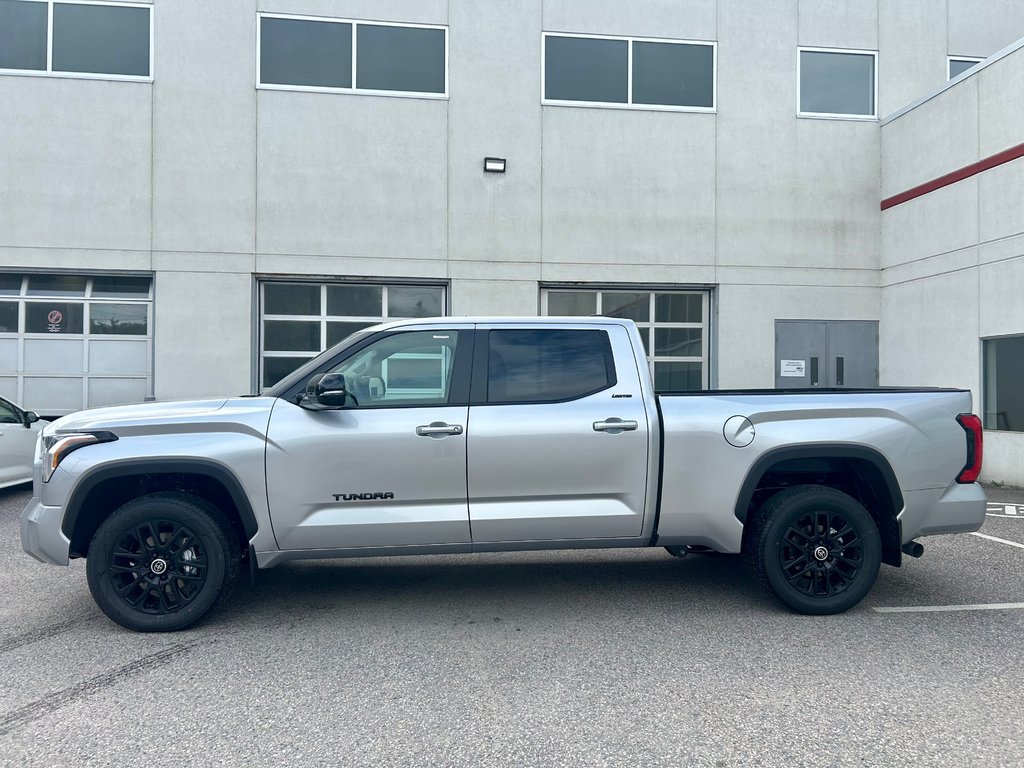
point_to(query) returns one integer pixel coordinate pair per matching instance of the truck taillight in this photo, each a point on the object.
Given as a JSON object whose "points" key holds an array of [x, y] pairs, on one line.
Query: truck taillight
{"points": [[972, 426]]}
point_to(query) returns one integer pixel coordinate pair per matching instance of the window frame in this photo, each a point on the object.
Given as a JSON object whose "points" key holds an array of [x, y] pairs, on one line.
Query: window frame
{"points": [[949, 63], [648, 327], [987, 385], [50, 72], [354, 90], [838, 115], [629, 40]]}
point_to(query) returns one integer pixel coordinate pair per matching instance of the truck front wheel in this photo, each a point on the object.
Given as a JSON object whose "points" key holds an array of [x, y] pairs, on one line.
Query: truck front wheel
{"points": [[817, 549], [161, 562]]}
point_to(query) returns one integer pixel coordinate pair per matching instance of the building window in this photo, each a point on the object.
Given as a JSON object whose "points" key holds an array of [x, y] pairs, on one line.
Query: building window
{"points": [[301, 319], [673, 326], [69, 342], [1003, 361], [835, 83], [76, 39], [347, 56], [960, 64], [588, 70]]}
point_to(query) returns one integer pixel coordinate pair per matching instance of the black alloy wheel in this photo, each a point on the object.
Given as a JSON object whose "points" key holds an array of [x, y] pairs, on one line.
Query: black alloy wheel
{"points": [[816, 548], [162, 561]]}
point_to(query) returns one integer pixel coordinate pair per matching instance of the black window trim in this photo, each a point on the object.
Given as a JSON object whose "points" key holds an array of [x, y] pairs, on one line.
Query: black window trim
{"points": [[481, 366], [355, 47]]}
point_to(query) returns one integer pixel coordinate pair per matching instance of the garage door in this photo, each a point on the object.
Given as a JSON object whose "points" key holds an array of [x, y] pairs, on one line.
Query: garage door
{"points": [[69, 342]]}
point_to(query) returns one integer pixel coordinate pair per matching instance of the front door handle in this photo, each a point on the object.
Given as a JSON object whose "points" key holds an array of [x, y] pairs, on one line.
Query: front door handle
{"points": [[614, 426], [439, 429]]}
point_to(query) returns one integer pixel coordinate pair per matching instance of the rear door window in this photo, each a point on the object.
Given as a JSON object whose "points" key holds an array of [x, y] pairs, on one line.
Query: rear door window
{"points": [[547, 365]]}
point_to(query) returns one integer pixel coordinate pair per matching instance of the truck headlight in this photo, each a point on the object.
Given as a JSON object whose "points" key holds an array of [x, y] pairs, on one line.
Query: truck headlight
{"points": [[54, 448]]}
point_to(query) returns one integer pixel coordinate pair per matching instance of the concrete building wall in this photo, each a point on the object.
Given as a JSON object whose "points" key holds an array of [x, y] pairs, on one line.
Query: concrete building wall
{"points": [[953, 259]]}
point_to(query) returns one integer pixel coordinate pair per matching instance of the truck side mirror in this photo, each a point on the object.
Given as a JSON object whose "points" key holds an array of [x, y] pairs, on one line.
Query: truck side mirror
{"points": [[326, 391], [31, 417]]}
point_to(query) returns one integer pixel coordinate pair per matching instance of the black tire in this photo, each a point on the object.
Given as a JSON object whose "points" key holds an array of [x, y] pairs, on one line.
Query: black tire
{"points": [[815, 548], [161, 562]]}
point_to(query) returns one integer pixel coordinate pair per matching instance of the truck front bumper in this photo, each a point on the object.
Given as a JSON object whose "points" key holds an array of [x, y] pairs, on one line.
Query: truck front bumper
{"points": [[960, 508], [41, 535]]}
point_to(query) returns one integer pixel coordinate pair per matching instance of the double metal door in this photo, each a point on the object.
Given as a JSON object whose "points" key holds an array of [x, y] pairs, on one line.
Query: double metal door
{"points": [[826, 353]]}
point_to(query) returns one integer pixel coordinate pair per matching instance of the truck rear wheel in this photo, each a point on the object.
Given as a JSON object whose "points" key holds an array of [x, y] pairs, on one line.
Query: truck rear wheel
{"points": [[817, 549], [161, 562]]}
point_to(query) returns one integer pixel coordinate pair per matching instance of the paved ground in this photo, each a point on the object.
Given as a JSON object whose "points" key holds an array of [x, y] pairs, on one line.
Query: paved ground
{"points": [[596, 658]]}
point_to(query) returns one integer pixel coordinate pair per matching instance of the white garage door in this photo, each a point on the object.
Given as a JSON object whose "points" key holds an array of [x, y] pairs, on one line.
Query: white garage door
{"points": [[69, 342]]}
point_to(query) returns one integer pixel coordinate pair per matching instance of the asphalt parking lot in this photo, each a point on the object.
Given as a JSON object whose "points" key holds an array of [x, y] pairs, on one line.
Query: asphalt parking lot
{"points": [[547, 659]]}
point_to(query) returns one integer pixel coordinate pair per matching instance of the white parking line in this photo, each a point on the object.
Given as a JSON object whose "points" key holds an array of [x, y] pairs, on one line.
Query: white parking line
{"points": [[937, 608], [1001, 541], [1005, 509]]}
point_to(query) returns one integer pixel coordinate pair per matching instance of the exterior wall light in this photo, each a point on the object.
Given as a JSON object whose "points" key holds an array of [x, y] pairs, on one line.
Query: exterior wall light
{"points": [[494, 165]]}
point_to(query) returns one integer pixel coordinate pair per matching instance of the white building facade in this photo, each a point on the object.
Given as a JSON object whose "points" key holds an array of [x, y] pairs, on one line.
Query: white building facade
{"points": [[199, 196]]}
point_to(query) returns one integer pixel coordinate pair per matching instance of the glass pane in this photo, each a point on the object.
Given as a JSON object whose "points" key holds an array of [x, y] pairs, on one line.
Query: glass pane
{"points": [[633, 306], [276, 368], [678, 308], [338, 331], [674, 74], [959, 66], [304, 52], [122, 319], [837, 83], [547, 365], [56, 285], [355, 301], [400, 59], [291, 335], [53, 317], [10, 285], [677, 377], [102, 39], [9, 414], [1003, 374], [8, 317], [677, 342], [573, 303], [291, 299], [411, 368], [22, 35], [410, 301], [121, 287], [586, 69]]}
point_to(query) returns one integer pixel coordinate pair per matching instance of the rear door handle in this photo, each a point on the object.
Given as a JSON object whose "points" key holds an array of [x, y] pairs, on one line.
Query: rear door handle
{"points": [[614, 426], [438, 429]]}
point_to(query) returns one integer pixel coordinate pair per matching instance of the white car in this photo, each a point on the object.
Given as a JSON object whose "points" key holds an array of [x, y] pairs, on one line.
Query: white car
{"points": [[18, 432]]}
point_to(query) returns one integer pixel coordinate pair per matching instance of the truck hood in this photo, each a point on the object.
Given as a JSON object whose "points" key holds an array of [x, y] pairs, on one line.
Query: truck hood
{"points": [[187, 415]]}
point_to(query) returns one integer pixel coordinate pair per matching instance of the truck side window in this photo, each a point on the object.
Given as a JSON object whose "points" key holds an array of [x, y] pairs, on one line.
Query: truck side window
{"points": [[547, 365], [413, 368]]}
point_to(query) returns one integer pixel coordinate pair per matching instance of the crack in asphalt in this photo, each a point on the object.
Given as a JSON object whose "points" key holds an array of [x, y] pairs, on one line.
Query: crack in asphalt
{"points": [[60, 699]]}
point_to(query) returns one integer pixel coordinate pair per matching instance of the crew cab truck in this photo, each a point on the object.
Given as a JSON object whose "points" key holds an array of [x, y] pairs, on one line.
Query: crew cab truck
{"points": [[450, 435]]}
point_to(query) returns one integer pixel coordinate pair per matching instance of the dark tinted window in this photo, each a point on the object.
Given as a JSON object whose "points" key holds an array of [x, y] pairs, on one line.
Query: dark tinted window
{"points": [[400, 59], [959, 66], [121, 287], [355, 300], [673, 74], [53, 317], [8, 317], [531, 366], [586, 69], [291, 299], [101, 39], [837, 83], [10, 285], [22, 35], [303, 52], [56, 285], [1003, 374], [118, 319]]}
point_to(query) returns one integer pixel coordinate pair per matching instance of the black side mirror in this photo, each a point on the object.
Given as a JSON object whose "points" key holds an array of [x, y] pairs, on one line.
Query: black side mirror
{"points": [[326, 391], [31, 417]]}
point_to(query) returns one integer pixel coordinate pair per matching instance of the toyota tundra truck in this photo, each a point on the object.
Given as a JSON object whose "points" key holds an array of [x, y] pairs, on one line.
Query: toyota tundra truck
{"points": [[445, 435]]}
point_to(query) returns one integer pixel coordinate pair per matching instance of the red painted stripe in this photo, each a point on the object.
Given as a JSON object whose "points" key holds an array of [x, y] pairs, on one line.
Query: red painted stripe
{"points": [[958, 175]]}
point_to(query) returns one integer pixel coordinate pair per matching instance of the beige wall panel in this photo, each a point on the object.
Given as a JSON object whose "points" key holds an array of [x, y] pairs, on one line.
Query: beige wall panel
{"points": [[1000, 304], [494, 297], [692, 20], [911, 51], [1001, 119], [942, 221], [420, 12], [839, 23], [982, 27]]}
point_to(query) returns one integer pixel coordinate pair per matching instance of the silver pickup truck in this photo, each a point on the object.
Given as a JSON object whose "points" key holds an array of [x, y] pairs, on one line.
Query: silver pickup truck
{"points": [[491, 434]]}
